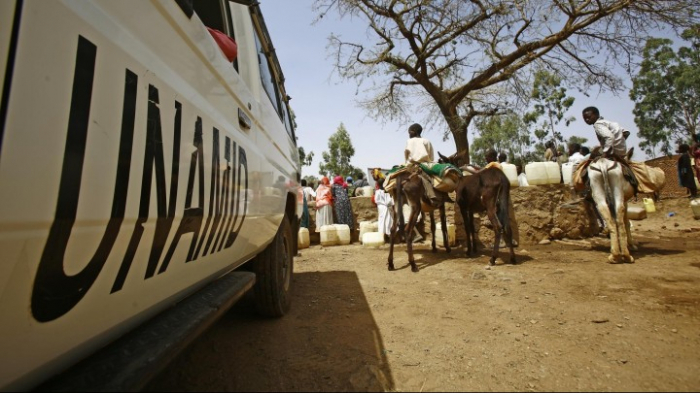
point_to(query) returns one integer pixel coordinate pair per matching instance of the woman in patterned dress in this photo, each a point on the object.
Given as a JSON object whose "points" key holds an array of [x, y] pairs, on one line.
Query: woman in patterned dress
{"points": [[341, 203]]}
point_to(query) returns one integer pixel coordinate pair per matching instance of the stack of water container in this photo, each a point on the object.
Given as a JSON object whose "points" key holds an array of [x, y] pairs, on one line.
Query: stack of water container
{"points": [[567, 172], [370, 235], [539, 173], [511, 173], [335, 234], [451, 234], [366, 191]]}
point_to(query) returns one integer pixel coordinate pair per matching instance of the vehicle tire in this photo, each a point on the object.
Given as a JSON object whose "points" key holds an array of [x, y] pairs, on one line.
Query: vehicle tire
{"points": [[273, 270]]}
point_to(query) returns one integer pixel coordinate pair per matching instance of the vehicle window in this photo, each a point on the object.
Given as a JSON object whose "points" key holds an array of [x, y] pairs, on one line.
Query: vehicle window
{"points": [[214, 15], [267, 77], [211, 13], [288, 120]]}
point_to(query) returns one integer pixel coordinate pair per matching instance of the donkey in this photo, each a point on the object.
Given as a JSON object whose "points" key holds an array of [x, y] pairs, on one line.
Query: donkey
{"points": [[611, 191], [409, 188], [485, 190]]}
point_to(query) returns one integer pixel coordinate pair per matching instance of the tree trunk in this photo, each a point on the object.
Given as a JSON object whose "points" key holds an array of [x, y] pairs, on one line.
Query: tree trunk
{"points": [[459, 133]]}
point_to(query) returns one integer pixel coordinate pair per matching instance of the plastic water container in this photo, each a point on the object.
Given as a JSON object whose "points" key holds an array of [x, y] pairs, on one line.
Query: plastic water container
{"points": [[451, 234], [636, 213], [649, 205], [329, 235], [372, 239], [368, 226], [553, 172], [343, 232], [536, 173], [695, 205], [365, 191], [511, 173], [567, 171], [303, 240]]}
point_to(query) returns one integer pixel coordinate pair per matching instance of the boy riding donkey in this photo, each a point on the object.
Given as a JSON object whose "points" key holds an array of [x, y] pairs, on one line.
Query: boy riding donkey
{"points": [[432, 181], [612, 138]]}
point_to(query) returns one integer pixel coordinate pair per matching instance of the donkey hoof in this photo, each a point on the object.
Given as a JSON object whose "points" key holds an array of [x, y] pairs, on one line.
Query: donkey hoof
{"points": [[629, 259], [449, 250], [414, 269], [612, 260]]}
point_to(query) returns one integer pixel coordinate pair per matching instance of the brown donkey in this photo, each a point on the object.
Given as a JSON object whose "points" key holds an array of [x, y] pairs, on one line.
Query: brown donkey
{"points": [[486, 190], [409, 189]]}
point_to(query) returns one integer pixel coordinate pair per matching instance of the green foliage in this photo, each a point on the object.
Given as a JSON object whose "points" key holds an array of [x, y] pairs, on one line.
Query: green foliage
{"points": [[577, 139], [551, 102], [666, 92], [305, 159], [311, 179], [336, 161], [506, 133]]}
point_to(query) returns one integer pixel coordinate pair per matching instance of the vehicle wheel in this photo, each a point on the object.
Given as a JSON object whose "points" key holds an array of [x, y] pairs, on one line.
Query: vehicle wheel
{"points": [[273, 270]]}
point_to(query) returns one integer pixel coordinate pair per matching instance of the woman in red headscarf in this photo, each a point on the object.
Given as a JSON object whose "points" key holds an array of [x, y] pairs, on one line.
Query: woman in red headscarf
{"points": [[341, 203], [324, 204]]}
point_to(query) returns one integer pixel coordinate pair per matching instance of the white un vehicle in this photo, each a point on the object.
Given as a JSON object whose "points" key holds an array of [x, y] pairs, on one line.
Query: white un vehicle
{"points": [[148, 179]]}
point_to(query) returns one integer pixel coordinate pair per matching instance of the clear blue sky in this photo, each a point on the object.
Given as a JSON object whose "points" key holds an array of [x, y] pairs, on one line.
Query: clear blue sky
{"points": [[321, 101]]}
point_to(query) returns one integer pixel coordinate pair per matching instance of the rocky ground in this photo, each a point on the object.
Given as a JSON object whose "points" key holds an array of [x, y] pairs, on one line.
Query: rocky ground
{"points": [[561, 319]]}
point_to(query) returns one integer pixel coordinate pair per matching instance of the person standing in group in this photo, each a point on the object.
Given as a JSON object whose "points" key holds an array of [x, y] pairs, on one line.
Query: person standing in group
{"points": [[324, 204], [361, 182], [585, 152], [686, 173], [575, 156], [551, 153], [341, 204], [695, 155], [309, 192], [349, 186], [502, 158], [384, 203]]}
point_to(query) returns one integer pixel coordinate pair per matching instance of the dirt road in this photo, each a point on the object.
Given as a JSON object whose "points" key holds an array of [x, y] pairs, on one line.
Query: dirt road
{"points": [[562, 319]]}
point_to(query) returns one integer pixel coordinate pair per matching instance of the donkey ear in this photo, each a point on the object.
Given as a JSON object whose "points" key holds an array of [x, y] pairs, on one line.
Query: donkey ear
{"points": [[629, 153], [442, 158]]}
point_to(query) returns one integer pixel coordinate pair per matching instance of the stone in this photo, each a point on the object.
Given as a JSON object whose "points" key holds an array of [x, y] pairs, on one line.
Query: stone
{"points": [[556, 233]]}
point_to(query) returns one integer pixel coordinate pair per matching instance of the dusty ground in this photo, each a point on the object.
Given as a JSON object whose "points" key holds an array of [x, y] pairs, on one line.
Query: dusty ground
{"points": [[562, 319]]}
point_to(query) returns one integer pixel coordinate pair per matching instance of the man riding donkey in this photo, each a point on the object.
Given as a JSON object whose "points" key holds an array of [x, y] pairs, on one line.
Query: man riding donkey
{"points": [[613, 146], [423, 185]]}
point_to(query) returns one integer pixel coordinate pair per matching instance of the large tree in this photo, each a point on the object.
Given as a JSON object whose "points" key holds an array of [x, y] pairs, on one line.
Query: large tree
{"points": [[336, 160], [666, 93], [455, 53]]}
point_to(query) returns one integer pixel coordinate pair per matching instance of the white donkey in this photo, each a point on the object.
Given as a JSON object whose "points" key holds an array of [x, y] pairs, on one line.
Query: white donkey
{"points": [[611, 191]]}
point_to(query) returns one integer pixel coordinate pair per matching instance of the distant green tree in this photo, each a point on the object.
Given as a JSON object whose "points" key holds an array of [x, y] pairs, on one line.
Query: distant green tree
{"points": [[312, 179], [305, 159], [336, 161], [551, 102], [666, 93], [506, 133]]}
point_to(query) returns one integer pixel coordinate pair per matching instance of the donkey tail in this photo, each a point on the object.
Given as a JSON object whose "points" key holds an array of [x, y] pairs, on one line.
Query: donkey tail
{"points": [[609, 197], [398, 204], [503, 203]]}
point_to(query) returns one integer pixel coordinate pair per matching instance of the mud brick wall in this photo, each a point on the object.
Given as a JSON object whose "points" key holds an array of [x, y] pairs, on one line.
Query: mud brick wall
{"points": [[669, 164]]}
